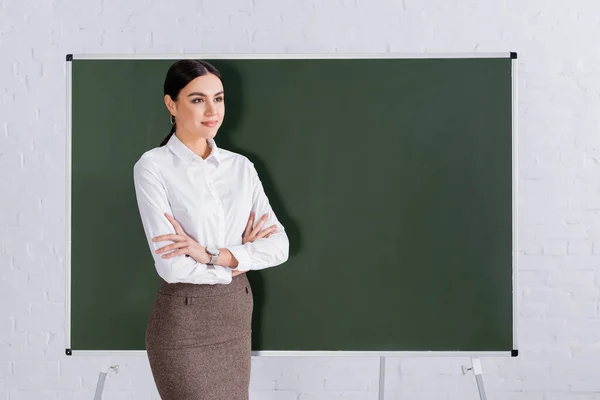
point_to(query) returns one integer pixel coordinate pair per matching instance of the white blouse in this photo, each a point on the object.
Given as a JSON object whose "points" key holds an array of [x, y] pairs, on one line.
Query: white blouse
{"points": [[212, 200]]}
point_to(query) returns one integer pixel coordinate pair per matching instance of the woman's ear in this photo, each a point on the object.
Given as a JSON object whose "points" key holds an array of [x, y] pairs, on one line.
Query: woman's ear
{"points": [[171, 106]]}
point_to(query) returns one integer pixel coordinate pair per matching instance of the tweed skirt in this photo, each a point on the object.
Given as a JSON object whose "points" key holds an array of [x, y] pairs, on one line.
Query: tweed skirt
{"points": [[198, 340]]}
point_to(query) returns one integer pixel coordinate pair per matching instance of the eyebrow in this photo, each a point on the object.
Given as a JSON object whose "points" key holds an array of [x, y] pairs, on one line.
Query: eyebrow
{"points": [[202, 94]]}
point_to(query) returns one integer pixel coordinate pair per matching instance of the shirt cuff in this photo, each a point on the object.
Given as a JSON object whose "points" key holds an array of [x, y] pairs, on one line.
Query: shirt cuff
{"points": [[222, 272], [241, 254]]}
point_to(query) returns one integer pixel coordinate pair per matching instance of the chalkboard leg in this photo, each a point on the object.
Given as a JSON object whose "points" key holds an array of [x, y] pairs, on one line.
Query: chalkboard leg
{"points": [[478, 377], [102, 378], [381, 378]]}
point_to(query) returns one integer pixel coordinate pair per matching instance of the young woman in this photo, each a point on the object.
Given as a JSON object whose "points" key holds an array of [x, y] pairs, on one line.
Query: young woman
{"points": [[197, 204]]}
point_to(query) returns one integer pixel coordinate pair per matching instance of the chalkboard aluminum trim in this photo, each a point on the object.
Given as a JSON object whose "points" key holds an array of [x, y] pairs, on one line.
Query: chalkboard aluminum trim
{"points": [[314, 353], [450, 353], [68, 208], [515, 202], [514, 81], [209, 56]]}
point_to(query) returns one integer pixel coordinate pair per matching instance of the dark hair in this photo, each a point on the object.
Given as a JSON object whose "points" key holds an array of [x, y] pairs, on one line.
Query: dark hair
{"points": [[179, 75]]}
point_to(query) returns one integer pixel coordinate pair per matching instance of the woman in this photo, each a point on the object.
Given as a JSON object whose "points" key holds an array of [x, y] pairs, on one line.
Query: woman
{"points": [[197, 204]]}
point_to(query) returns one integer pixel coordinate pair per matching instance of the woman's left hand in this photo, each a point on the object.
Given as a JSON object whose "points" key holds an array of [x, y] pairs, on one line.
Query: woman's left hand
{"points": [[183, 244]]}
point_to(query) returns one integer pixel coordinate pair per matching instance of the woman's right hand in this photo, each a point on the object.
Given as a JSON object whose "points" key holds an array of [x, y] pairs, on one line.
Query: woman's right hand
{"points": [[250, 235]]}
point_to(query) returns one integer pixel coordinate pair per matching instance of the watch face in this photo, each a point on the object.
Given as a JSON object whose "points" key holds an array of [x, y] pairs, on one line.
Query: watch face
{"points": [[213, 250]]}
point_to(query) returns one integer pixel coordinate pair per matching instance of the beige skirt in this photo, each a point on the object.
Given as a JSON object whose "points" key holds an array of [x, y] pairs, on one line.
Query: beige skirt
{"points": [[198, 340]]}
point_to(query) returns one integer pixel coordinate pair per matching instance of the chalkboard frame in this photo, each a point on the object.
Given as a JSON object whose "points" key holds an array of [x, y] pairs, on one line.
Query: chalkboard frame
{"points": [[515, 177]]}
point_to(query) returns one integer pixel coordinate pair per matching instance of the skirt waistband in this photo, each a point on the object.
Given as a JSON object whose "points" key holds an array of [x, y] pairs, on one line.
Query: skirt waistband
{"points": [[202, 290]]}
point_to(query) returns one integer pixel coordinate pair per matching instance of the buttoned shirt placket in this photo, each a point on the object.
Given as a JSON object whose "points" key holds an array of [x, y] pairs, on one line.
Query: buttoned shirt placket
{"points": [[209, 168]]}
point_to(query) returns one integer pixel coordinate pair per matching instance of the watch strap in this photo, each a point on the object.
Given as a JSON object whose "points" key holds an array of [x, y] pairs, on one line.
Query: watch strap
{"points": [[214, 254]]}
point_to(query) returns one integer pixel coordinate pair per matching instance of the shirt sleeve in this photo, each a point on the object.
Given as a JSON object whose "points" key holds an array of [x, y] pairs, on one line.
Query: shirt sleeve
{"points": [[152, 203], [263, 252]]}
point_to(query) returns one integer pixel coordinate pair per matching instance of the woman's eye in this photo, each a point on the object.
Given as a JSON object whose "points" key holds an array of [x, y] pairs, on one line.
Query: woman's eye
{"points": [[200, 99]]}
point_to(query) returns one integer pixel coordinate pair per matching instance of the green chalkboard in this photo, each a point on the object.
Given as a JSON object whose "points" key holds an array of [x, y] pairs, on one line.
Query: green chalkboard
{"points": [[392, 176]]}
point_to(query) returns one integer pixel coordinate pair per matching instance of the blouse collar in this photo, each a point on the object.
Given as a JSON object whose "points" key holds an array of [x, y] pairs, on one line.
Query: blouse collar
{"points": [[186, 154]]}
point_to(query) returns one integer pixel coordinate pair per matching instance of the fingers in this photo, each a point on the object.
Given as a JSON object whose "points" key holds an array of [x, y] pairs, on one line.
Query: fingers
{"points": [[179, 232], [250, 234], [178, 228], [259, 225], [172, 246], [171, 236], [270, 233], [175, 253], [267, 232]]}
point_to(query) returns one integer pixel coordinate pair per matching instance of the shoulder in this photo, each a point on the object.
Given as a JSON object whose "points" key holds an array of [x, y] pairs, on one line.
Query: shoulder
{"points": [[150, 160], [231, 157]]}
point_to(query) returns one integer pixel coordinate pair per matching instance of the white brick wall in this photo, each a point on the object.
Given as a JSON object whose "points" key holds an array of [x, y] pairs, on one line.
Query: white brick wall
{"points": [[559, 156]]}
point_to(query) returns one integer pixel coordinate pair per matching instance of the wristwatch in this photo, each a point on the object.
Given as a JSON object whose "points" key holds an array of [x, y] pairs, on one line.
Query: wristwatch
{"points": [[214, 253]]}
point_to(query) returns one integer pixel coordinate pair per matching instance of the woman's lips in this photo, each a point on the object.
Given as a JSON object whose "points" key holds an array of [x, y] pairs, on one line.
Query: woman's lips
{"points": [[210, 124]]}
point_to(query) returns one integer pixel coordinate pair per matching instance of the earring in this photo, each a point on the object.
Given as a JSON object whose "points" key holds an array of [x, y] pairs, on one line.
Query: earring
{"points": [[172, 119]]}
